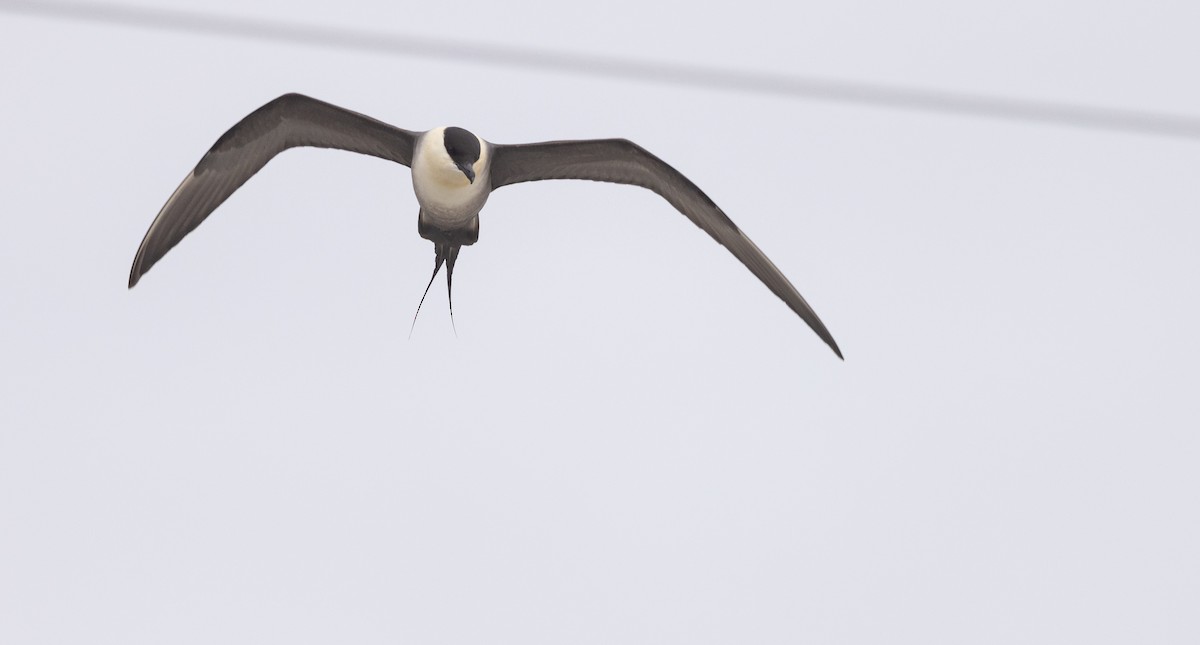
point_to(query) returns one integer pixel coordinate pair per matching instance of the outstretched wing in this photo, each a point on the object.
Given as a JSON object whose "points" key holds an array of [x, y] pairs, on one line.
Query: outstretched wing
{"points": [[289, 121], [624, 162]]}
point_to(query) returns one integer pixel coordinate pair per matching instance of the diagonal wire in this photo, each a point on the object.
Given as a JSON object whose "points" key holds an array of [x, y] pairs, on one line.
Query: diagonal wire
{"points": [[888, 96]]}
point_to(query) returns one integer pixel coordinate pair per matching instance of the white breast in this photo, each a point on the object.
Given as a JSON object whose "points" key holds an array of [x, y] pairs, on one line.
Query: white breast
{"points": [[446, 197]]}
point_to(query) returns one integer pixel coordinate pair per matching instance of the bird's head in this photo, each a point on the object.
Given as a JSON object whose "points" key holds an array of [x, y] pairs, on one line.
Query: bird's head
{"points": [[463, 150]]}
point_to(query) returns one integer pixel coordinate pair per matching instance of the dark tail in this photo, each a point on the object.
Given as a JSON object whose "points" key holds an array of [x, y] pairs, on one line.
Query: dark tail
{"points": [[437, 266], [447, 253], [451, 255]]}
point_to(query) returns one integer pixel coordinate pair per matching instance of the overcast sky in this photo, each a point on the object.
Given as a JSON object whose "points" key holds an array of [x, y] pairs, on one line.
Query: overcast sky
{"points": [[631, 440]]}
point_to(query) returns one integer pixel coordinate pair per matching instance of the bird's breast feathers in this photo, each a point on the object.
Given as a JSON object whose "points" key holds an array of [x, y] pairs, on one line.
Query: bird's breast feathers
{"points": [[445, 194]]}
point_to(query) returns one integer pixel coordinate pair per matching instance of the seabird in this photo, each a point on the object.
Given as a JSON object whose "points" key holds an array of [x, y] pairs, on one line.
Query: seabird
{"points": [[453, 172]]}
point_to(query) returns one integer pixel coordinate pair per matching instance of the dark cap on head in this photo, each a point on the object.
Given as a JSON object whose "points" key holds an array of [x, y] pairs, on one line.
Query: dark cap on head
{"points": [[462, 146]]}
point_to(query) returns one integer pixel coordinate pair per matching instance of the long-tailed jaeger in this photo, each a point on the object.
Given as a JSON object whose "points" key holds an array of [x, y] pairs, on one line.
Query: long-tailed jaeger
{"points": [[453, 172]]}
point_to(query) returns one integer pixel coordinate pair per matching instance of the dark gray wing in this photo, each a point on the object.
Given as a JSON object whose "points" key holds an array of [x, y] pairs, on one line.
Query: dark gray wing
{"points": [[289, 121], [624, 162]]}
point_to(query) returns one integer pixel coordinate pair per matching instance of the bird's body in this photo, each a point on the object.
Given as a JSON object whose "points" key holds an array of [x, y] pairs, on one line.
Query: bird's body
{"points": [[453, 173], [448, 198]]}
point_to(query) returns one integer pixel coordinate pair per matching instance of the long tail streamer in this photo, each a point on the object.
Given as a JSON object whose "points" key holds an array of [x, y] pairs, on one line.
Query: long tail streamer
{"points": [[436, 267]]}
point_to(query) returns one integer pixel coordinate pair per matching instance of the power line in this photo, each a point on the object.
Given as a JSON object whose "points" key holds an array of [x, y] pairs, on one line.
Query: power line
{"points": [[896, 97]]}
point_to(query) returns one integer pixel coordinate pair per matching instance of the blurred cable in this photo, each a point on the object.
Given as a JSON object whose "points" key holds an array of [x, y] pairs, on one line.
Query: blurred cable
{"points": [[602, 66]]}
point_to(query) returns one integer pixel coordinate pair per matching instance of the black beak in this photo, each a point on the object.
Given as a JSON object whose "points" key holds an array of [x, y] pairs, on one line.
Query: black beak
{"points": [[468, 171]]}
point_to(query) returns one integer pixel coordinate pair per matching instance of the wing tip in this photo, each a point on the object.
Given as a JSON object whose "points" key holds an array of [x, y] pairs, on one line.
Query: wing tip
{"points": [[824, 335], [836, 350], [136, 272]]}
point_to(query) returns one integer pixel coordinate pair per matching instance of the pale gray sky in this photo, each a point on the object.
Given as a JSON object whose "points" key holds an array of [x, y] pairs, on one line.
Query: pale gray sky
{"points": [[631, 440]]}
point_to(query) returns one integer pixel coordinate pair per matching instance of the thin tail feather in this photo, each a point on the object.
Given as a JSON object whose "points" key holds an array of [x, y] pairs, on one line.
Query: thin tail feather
{"points": [[436, 267], [451, 256]]}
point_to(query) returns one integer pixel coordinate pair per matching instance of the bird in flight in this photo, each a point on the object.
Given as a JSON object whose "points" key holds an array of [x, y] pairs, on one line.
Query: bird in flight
{"points": [[453, 172]]}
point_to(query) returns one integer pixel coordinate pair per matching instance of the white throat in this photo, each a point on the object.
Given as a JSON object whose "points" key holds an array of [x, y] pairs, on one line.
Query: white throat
{"points": [[447, 198]]}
